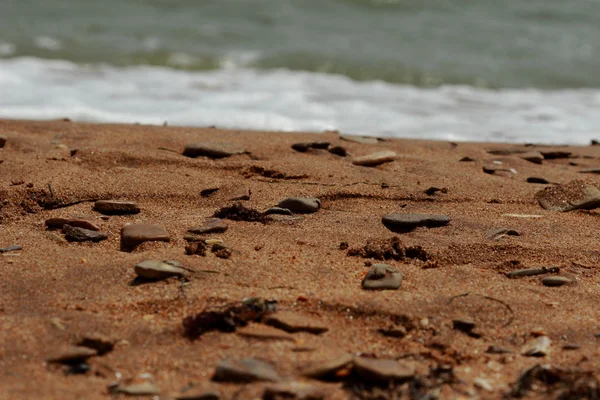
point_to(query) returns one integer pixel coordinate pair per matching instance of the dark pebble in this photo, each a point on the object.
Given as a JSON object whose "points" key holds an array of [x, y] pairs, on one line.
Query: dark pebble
{"points": [[75, 234], [212, 150], [338, 151], [113, 207], [136, 234], [533, 179], [301, 204], [408, 222]]}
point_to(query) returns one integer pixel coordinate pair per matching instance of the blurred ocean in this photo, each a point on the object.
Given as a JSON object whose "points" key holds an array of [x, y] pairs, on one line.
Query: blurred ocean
{"points": [[479, 70]]}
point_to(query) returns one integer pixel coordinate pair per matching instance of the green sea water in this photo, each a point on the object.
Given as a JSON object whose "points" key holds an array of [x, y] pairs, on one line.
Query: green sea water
{"points": [[547, 44]]}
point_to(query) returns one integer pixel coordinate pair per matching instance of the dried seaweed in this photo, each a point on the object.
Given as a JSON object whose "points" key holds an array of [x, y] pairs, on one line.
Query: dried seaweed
{"points": [[238, 212], [386, 249]]}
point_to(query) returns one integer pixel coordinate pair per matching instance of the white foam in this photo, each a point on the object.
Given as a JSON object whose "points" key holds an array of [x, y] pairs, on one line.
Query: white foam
{"points": [[293, 101]]}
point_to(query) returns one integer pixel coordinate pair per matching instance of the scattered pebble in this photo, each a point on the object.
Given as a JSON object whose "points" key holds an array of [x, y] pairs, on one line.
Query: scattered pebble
{"points": [[157, 269], [246, 370], [304, 147], [571, 346], [72, 355], [327, 370], [374, 159], [291, 322], [212, 150], [338, 151], [135, 234], [577, 194], [382, 277], [60, 152], [58, 223], [221, 251], [58, 323], [496, 234], [113, 207], [293, 390], [359, 139], [493, 349], [213, 225], [556, 280], [299, 205], [374, 369], [75, 234], [409, 222], [433, 190], [259, 331], [538, 347]]}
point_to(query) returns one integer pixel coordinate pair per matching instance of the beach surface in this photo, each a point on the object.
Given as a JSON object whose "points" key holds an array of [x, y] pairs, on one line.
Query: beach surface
{"points": [[458, 324]]}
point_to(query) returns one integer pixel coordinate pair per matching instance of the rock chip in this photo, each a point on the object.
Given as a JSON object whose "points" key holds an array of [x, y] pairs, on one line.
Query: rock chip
{"points": [[382, 277], [301, 205], [359, 139], [258, 331], [212, 150], [293, 390], [113, 207], [72, 355], [409, 222], [532, 271], [374, 159], [541, 181], [556, 280], [374, 369], [58, 223], [99, 342], [75, 234], [292, 322], [328, 369], [246, 370], [577, 194], [538, 347], [212, 225], [135, 234], [157, 269]]}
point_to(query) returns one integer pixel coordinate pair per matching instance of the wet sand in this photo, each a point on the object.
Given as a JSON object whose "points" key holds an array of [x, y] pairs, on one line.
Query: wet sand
{"points": [[53, 292]]}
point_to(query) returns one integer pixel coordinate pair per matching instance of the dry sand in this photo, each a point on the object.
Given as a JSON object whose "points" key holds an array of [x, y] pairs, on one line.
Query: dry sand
{"points": [[53, 293]]}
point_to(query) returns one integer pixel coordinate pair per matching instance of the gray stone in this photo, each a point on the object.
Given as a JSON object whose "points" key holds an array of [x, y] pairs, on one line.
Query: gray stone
{"points": [[538, 347], [212, 150], [278, 211], [292, 322], [113, 207], [532, 272], [382, 277], [75, 234], [135, 234], [408, 222], [213, 225], [246, 370], [556, 280], [359, 139], [327, 369], [293, 390], [58, 223], [577, 194], [72, 354], [305, 205], [496, 234], [157, 269], [374, 369], [374, 159]]}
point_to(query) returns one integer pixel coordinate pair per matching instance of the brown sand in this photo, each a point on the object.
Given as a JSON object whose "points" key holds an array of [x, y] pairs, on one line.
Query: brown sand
{"points": [[86, 286]]}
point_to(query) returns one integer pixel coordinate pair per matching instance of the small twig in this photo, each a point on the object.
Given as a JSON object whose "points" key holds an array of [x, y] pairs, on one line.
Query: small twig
{"points": [[512, 318]]}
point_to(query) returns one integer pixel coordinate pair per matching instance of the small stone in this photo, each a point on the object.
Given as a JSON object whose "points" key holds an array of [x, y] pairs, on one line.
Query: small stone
{"points": [[305, 205], [373, 369], [291, 322], [138, 389], [374, 159], [484, 384], [258, 331], [99, 342], [571, 346], [73, 355], [293, 390], [278, 211], [58, 223], [533, 179], [496, 234], [499, 171], [246, 370], [221, 251], [532, 216], [464, 325], [466, 159], [75, 234], [55, 237], [135, 234], [532, 156], [157, 269], [113, 207], [320, 145], [556, 280], [577, 194], [433, 190], [338, 151], [212, 150], [57, 323], [213, 225], [409, 222], [328, 369], [538, 347], [359, 139], [382, 277], [3, 140], [301, 147]]}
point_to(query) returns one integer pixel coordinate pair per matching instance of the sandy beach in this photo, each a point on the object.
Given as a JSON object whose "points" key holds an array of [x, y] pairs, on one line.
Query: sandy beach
{"points": [[459, 326]]}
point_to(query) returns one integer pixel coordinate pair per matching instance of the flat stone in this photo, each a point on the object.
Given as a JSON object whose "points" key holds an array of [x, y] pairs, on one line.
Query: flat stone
{"points": [[72, 355], [292, 322], [3, 140], [382, 277], [213, 225], [75, 234], [556, 280], [301, 205], [532, 156], [113, 207], [99, 342], [359, 139], [246, 370], [374, 369], [577, 194], [157, 269], [532, 272], [212, 150], [499, 171], [555, 154], [258, 331], [466, 159], [338, 151], [58, 223], [408, 222], [496, 234], [135, 234], [327, 369], [138, 389], [538, 347], [293, 390], [278, 211], [374, 159]]}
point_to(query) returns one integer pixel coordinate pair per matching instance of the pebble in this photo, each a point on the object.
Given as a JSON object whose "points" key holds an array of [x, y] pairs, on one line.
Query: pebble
{"points": [[327, 369], [199, 393], [499, 171], [463, 324], [554, 154], [258, 331], [466, 159], [138, 389], [577, 194], [75, 234], [522, 215], [408, 222], [538, 347], [590, 171], [532, 271], [58, 223], [338, 151], [135, 234], [496, 234], [374, 369], [571, 346], [382, 277], [293, 390], [72, 355], [291, 322], [99, 342], [3, 140], [113, 207], [278, 211], [246, 370], [556, 280], [213, 225], [533, 179], [212, 150], [359, 139], [299, 205], [374, 159], [157, 269], [533, 156]]}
